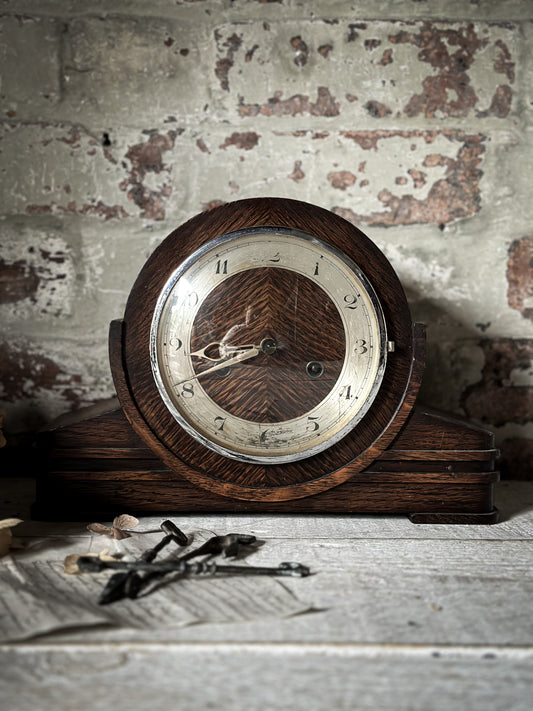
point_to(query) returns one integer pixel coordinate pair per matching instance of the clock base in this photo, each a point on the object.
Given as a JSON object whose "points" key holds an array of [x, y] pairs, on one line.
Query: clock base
{"points": [[459, 518], [439, 469]]}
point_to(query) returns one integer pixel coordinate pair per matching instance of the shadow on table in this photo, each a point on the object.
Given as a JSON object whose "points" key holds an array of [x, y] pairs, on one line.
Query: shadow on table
{"points": [[513, 498]]}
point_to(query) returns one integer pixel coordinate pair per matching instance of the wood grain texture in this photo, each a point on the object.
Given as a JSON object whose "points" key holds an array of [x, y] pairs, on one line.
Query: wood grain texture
{"points": [[207, 469], [275, 387], [250, 677], [96, 480], [405, 617]]}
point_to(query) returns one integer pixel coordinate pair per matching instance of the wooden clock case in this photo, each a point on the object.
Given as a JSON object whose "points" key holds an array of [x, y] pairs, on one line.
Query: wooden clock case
{"points": [[130, 455]]}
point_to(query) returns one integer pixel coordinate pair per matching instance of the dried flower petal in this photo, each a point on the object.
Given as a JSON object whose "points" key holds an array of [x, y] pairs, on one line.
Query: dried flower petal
{"points": [[120, 523]]}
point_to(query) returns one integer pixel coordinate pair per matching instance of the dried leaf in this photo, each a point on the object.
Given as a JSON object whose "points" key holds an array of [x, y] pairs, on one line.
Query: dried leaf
{"points": [[70, 564], [120, 523], [125, 521], [100, 529]]}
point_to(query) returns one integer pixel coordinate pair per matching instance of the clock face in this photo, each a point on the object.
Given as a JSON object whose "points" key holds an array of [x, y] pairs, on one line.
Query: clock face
{"points": [[268, 345]]}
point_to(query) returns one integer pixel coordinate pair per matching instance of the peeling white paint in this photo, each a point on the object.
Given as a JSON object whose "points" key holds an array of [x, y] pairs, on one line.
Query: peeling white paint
{"points": [[428, 277]]}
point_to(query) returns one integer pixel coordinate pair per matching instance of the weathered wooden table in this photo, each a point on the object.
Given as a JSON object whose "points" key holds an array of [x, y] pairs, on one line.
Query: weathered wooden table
{"points": [[405, 617]]}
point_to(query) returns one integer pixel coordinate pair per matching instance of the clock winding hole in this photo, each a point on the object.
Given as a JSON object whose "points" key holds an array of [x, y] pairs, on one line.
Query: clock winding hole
{"points": [[314, 369]]}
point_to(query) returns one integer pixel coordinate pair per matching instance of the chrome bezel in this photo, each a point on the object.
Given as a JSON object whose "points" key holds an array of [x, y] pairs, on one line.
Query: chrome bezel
{"points": [[214, 245]]}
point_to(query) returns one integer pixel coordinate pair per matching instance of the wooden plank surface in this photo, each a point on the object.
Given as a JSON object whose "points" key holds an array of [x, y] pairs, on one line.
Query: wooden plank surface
{"points": [[265, 677], [405, 617]]}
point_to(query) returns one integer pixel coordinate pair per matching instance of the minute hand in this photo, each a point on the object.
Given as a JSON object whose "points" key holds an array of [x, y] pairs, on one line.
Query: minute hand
{"points": [[237, 357]]}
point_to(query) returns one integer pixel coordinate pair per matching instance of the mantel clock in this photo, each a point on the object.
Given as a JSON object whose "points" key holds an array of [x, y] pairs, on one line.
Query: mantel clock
{"points": [[267, 361]]}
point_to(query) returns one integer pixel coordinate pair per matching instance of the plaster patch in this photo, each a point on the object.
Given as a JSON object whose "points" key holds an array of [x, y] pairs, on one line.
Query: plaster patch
{"points": [[426, 277], [57, 168]]}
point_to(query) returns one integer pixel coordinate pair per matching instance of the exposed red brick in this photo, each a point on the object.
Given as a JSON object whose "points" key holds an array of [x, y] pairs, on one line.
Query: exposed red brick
{"points": [[352, 30], [503, 63], [297, 174], [520, 276], [97, 209], [24, 375], [371, 44], [450, 198], [250, 53], [212, 204], [225, 63], [18, 281], [202, 146], [419, 178], [54, 257], [377, 109], [447, 89], [245, 140], [325, 105], [386, 58], [148, 158], [39, 209], [516, 460], [494, 399], [341, 179], [100, 209], [433, 159], [302, 51], [500, 105], [72, 138]]}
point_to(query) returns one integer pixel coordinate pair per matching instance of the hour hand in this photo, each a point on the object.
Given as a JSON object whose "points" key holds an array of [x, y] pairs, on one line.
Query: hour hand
{"points": [[235, 356], [210, 352], [218, 352]]}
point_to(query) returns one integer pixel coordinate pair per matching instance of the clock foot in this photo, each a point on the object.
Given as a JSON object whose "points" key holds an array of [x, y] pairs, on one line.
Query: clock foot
{"points": [[486, 518]]}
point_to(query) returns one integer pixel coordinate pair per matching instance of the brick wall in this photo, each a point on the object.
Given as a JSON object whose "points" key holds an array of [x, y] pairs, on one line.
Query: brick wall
{"points": [[120, 120]]}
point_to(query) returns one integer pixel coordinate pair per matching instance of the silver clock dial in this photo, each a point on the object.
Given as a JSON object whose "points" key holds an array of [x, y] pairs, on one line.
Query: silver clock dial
{"points": [[268, 345]]}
